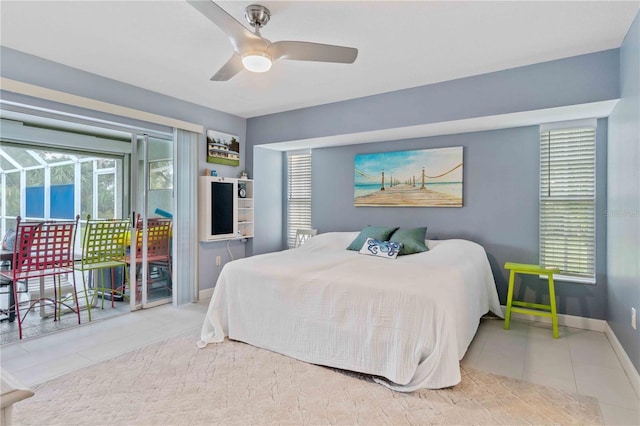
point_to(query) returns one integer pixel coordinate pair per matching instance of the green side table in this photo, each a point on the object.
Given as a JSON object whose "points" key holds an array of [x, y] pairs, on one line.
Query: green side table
{"points": [[531, 308]]}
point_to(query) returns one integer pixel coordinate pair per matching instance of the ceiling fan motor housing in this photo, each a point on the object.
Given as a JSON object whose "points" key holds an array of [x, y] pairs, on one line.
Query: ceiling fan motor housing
{"points": [[257, 15]]}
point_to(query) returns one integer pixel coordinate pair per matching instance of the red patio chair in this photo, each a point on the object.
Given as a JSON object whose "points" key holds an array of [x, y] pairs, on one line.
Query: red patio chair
{"points": [[43, 249]]}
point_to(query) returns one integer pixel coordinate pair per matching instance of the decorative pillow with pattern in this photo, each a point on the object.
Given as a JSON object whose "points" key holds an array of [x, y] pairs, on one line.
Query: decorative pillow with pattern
{"points": [[378, 248]]}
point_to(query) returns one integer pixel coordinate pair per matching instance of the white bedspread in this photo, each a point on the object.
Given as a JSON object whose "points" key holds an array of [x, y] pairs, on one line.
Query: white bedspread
{"points": [[408, 320]]}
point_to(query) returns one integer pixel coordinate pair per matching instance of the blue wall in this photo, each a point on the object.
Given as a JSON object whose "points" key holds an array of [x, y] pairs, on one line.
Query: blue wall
{"points": [[500, 171], [571, 81], [268, 196], [623, 204], [500, 206]]}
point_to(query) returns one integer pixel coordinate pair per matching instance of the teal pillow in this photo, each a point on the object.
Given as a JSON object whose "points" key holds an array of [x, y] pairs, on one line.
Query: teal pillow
{"points": [[412, 240], [380, 233]]}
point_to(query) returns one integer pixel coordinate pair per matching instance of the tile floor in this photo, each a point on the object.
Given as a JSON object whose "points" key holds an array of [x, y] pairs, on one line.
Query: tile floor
{"points": [[34, 325], [580, 361]]}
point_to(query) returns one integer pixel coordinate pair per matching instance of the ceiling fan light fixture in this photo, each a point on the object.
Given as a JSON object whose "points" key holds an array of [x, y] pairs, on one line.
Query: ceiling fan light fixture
{"points": [[256, 62], [257, 53]]}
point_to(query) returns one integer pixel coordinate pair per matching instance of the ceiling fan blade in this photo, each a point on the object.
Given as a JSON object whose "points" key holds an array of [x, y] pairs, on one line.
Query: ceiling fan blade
{"points": [[304, 51], [238, 34], [232, 67]]}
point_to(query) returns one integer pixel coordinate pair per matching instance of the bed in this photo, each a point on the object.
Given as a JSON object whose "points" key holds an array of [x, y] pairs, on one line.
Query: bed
{"points": [[407, 322]]}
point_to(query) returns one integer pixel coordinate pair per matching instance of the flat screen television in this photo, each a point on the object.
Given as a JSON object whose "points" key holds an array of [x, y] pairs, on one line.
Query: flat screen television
{"points": [[219, 209]]}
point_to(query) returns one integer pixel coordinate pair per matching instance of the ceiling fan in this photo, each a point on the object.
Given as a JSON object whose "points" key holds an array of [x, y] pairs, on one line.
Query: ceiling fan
{"points": [[254, 52]]}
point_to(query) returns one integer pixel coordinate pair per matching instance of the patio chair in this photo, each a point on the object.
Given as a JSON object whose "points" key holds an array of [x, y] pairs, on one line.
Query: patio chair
{"points": [[103, 247], [159, 233], [43, 249]]}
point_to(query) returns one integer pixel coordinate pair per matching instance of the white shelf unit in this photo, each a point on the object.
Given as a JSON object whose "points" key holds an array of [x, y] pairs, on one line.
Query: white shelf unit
{"points": [[223, 213], [245, 208]]}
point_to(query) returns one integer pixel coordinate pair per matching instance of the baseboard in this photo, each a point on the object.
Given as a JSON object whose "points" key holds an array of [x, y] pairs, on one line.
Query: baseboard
{"points": [[207, 293], [564, 320], [628, 366]]}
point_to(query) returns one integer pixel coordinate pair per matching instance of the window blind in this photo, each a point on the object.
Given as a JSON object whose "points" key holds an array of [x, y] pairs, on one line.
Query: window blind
{"points": [[567, 202], [299, 194]]}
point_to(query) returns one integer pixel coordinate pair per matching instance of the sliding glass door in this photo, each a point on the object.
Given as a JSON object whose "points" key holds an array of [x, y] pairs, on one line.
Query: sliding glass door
{"points": [[151, 242], [60, 169]]}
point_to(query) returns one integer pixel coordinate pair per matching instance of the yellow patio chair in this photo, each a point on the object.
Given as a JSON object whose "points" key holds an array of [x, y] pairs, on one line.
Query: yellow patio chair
{"points": [[102, 247]]}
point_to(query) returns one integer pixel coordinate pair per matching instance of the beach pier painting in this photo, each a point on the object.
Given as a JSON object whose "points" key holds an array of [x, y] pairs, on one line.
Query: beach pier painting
{"points": [[419, 178]]}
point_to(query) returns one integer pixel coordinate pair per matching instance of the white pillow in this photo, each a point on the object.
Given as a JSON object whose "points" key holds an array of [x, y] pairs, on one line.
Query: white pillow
{"points": [[385, 249]]}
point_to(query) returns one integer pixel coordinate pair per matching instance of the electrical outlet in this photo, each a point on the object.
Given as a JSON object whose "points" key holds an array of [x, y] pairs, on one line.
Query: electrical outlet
{"points": [[633, 318], [218, 261]]}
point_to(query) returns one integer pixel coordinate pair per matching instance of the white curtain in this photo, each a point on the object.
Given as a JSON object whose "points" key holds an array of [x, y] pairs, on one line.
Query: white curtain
{"points": [[185, 247]]}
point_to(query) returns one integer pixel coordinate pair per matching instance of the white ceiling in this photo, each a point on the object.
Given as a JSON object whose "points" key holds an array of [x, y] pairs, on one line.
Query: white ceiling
{"points": [[170, 48]]}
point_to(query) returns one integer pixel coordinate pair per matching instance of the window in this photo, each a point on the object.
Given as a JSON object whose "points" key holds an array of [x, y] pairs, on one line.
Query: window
{"points": [[160, 175], [42, 182], [298, 193], [567, 202]]}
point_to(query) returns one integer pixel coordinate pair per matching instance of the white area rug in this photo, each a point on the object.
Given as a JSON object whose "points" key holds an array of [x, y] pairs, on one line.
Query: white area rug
{"points": [[174, 383]]}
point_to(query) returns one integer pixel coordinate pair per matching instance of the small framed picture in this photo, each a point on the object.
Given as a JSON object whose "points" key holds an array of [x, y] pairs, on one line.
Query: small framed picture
{"points": [[223, 148]]}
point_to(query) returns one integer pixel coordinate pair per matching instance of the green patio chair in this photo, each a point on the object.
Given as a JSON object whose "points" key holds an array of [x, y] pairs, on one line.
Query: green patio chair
{"points": [[103, 246]]}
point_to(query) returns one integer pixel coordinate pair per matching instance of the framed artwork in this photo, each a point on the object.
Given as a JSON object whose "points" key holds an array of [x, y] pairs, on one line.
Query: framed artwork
{"points": [[420, 178], [223, 148]]}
